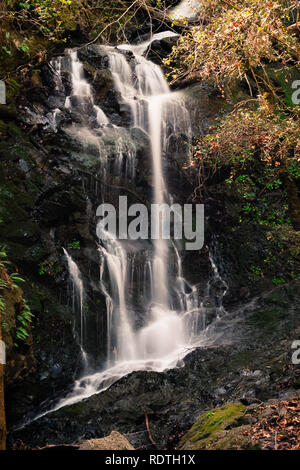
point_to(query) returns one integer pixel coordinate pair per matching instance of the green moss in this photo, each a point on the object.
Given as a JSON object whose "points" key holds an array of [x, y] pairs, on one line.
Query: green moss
{"points": [[15, 208], [284, 78], [279, 298], [211, 425], [268, 318], [297, 383], [241, 360], [74, 410]]}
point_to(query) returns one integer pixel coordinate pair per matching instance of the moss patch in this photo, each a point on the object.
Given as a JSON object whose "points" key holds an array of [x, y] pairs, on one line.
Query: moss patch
{"points": [[212, 426], [74, 410]]}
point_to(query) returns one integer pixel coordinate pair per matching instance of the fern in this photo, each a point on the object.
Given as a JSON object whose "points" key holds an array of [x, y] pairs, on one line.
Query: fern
{"points": [[11, 281]]}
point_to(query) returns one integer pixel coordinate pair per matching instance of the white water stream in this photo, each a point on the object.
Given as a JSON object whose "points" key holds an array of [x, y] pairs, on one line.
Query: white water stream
{"points": [[173, 317]]}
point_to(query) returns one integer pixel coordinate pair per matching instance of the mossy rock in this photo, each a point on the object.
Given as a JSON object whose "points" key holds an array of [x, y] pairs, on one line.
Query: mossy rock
{"points": [[219, 428], [73, 411], [297, 383], [284, 79], [268, 318], [240, 360], [19, 360]]}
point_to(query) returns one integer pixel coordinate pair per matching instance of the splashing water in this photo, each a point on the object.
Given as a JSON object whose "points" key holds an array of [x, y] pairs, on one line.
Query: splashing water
{"points": [[77, 300]]}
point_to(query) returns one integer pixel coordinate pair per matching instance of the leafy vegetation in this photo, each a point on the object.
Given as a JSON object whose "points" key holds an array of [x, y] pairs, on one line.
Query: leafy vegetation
{"points": [[255, 44], [11, 282], [236, 39], [74, 245], [31, 29], [23, 322]]}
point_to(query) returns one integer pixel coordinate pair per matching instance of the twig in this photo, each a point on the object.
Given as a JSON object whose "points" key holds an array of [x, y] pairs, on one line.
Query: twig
{"points": [[110, 24], [112, 186], [231, 5], [149, 432], [59, 447]]}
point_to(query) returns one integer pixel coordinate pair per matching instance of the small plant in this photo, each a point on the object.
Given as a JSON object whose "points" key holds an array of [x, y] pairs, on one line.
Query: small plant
{"points": [[42, 269], [15, 277], [7, 281], [26, 6], [6, 50], [24, 319], [278, 281], [24, 48], [256, 270], [74, 245]]}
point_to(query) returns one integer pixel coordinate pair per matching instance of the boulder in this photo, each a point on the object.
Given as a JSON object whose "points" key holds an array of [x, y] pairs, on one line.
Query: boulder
{"points": [[115, 441]]}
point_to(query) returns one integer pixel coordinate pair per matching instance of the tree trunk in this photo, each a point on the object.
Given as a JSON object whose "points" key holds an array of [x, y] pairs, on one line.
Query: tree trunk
{"points": [[2, 406], [293, 201]]}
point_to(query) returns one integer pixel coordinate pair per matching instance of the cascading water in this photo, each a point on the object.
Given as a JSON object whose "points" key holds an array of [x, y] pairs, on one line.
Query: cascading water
{"points": [[81, 91], [171, 316], [77, 300], [154, 110]]}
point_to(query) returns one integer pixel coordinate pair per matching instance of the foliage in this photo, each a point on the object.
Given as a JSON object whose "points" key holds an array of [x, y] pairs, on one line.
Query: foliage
{"points": [[74, 245], [252, 139], [235, 42], [4, 279], [235, 39], [11, 281], [23, 322], [34, 27], [48, 266], [254, 135], [276, 426], [260, 147]]}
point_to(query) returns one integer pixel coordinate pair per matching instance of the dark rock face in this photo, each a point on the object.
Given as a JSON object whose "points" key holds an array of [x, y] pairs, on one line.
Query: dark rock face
{"points": [[160, 49]]}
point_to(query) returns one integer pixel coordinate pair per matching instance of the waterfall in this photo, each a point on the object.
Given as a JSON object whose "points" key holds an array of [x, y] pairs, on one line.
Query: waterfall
{"points": [[155, 110], [154, 316], [82, 92], [77, 300], [218, 284], [116, 258]]}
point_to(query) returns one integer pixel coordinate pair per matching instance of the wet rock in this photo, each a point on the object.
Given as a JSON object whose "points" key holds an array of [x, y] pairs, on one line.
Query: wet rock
{"points": [[160, 49], [94, 55]]}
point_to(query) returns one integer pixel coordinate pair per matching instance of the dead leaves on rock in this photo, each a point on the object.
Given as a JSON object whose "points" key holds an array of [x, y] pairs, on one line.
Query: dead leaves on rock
{"points": [[278, 426]]}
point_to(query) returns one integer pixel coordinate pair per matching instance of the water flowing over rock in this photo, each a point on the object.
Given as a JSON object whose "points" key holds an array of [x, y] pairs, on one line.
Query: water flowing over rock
{"points": [[153, 315], [147, 315]]}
